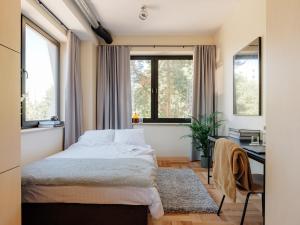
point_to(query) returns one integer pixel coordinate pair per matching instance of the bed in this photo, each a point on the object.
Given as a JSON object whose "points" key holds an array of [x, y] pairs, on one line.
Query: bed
{"points": [[107, 177]]}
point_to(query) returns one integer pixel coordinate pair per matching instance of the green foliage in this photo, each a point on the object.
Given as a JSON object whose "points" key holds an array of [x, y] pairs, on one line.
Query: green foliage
{"points": [[141, 87], [247, 87], [41, 109], [202, 128], [174, 88]]}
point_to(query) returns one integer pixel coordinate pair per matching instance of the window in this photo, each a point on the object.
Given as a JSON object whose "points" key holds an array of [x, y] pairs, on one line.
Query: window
{"points": [[40, 75], [162, 88]]}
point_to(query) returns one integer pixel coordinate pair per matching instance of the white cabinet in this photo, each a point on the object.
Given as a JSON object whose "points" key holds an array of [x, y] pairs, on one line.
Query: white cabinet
{"points": [[10, 197], [9, 109], [10, 24]]}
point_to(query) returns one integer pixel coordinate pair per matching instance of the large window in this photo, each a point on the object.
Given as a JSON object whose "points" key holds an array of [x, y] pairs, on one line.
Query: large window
{"points": [[40, 75], [162, 87]]}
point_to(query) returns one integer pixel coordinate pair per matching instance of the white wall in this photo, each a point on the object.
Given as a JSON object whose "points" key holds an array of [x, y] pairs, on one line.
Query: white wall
{"points": [[247, 22], [283, 123], [38, 143], [163, 40], [167, 139]]}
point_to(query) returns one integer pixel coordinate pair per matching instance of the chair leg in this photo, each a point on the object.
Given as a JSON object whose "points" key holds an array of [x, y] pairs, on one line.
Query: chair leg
{"points": [[220, 207], [245, 208], [263, 204]]}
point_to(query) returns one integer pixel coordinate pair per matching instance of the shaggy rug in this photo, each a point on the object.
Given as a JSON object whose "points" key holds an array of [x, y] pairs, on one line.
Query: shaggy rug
{"points": [[181, 191]]}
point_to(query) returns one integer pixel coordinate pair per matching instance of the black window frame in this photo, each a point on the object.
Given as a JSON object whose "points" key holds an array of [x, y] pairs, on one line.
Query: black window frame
{"points": [[154, 86], [25, 21]]}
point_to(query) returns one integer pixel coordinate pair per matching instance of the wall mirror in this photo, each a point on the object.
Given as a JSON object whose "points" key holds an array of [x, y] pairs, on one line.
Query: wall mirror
{"points": [[247, 80]]}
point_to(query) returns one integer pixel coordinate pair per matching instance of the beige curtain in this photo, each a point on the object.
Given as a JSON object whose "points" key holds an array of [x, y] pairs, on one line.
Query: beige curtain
{"points": [[204, 83], [73, 94], [113, 88]]}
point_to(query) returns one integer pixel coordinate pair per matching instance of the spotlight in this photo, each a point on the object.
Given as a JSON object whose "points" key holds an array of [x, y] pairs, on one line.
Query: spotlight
{"points": [[143, 15]]}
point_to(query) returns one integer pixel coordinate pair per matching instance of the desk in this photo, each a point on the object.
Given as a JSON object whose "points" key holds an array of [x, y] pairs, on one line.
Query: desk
{"points": [[261, 158]]}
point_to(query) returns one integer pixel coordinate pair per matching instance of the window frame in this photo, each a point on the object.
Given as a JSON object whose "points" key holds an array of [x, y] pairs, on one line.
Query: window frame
{"points": [[25, 21], [154, 86]]}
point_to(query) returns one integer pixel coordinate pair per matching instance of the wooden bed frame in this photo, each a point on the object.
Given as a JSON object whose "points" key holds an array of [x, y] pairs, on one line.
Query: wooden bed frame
{"points": [[83, 214]]}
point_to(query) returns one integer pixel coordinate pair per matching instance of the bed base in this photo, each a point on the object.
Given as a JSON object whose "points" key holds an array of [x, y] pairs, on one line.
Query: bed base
{"points": [[83, 214]]}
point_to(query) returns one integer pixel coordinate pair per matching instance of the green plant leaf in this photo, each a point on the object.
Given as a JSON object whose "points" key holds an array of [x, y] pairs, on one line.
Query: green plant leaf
{"points": [[203, 127]]}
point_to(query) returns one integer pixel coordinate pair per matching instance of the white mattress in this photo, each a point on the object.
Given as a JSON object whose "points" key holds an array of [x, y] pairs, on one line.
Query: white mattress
{"points": [[98, 195]]}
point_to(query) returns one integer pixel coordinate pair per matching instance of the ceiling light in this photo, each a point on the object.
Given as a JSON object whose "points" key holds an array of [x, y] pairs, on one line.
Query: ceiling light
{"points": [[143, 15]]}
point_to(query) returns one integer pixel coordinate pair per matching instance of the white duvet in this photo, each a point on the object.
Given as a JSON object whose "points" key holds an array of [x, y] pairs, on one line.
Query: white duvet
{"points": [[99, 195]]}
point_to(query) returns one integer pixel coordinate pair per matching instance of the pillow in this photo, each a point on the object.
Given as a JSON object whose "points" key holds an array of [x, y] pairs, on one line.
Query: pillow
{"points": [[130, 137], [97, 137]]}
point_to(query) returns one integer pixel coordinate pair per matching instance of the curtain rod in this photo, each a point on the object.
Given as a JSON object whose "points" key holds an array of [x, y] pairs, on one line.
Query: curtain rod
{"points": [[154, 46], [52, 14]]}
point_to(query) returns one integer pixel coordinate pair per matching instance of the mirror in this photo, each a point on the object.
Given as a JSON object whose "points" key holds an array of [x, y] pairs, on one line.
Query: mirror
{"points": [[247, 80]]}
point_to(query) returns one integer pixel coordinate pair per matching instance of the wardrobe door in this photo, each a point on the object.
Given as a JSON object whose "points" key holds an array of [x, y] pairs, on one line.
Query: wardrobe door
{"points": [[10, 197], [10, 24], [10, 109]]}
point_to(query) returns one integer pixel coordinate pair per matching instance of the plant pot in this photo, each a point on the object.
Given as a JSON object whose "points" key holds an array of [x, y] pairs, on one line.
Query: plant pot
{"points": [[204, 162]]}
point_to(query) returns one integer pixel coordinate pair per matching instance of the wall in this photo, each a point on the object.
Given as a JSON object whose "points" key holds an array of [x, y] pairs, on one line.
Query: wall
{"points": [[283, 47], [247, 22], [167, 139], [38, 143], [163, 40]]}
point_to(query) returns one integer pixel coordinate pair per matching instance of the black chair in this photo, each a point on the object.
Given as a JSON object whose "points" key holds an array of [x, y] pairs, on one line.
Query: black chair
{"points": [[257, 188]]}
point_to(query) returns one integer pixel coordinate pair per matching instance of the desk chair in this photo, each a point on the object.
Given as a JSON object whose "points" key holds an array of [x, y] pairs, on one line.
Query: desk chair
{"points": [[232, 172], [257, 188]]}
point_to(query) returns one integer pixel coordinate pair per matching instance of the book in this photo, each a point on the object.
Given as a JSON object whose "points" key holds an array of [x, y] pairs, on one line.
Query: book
{"points": [[49, 125], [50, 122], [243, 134]]}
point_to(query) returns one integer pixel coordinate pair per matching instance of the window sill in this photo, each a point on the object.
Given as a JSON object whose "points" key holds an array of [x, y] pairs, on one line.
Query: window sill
{"points": [[38, 129]]}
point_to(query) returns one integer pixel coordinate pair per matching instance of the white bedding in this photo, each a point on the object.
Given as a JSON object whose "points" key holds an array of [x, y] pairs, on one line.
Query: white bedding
{"points": [[99, 195]]}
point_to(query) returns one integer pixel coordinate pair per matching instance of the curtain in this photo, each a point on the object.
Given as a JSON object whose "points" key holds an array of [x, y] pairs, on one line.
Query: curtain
{"points": [[73, 95], [204, 84], [113, 88]]}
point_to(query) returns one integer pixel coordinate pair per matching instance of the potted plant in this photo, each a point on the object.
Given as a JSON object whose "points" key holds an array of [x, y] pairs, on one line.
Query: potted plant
{"points": [[201, 129]]}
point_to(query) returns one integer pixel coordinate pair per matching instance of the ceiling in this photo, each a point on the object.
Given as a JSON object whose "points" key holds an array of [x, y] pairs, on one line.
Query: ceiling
{"points": [[166, 17], [120, 17], [66, 11]]}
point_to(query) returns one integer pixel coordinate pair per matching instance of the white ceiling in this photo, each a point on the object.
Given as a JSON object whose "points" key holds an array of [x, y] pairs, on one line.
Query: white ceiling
{"points": [[166, 17], [120, 17], [66, 11]]}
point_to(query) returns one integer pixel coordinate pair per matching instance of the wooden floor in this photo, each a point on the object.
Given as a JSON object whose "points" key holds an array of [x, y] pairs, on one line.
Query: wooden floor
{"points": [[231, 212]]}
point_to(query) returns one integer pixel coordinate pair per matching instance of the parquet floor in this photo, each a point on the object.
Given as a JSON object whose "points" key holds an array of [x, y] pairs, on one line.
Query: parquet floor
{"points": [[231, 212]]}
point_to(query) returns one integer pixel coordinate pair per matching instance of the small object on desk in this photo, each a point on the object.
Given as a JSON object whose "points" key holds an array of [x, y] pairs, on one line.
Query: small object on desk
{"points": [[254, 140], [243, 134]]}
